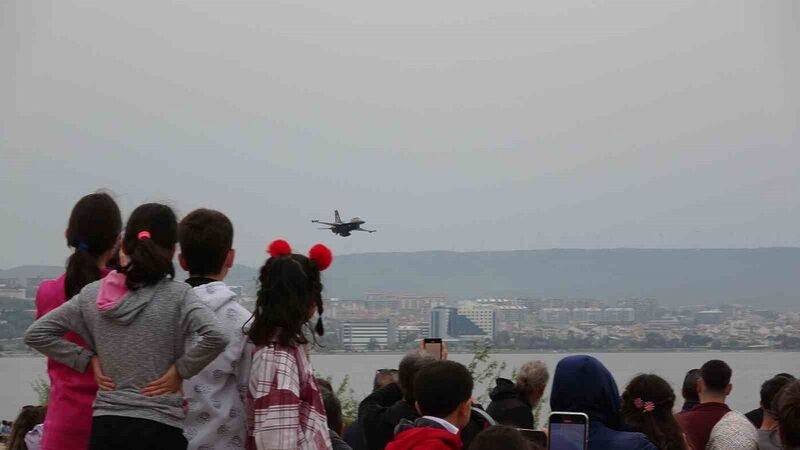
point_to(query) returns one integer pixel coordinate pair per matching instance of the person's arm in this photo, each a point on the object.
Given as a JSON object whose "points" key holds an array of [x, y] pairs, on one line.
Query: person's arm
{"points": [[197, 319], [46, 335], [244, 367], [274, 384]]}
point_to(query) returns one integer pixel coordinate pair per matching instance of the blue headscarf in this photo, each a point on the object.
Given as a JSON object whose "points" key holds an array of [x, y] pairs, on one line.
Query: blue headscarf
{"points": [[583, 384]]}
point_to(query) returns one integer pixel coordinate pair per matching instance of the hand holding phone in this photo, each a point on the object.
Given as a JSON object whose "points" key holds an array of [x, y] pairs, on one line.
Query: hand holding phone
{"points": [[435, 347], [568, 431]]}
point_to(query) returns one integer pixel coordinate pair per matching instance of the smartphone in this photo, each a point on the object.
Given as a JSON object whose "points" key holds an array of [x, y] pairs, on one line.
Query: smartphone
{"points": [[568, 431], [433, 346], [537, 437]]}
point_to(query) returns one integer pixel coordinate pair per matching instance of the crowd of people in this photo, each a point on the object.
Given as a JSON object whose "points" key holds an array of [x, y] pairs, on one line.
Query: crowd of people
{"points": [[139, 360]]}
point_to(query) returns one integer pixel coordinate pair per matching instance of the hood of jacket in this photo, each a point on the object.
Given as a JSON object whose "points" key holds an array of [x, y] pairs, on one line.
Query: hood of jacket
{"points": [[215, 295], [503, 390], [115, 302], [423, 434], [583, 384]]}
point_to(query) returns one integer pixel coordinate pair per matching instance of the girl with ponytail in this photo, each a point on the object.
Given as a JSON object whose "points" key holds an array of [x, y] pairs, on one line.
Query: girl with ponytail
{"points": [[92, 231], [285, 408], [136, 323]]}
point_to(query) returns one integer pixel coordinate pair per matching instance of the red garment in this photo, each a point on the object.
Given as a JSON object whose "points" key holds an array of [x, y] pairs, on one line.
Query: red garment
{"points": [[69, 412], [425, 438], [285, 409], [698, 422]]}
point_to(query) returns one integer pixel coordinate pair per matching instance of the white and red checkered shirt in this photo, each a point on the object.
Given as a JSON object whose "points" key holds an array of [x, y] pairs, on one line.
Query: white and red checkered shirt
{"points": [[285, 410]]}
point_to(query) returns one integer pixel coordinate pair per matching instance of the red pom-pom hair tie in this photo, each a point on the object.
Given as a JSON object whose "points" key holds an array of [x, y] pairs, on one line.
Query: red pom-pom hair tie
{"points": [[279, 247], [321, 255]]}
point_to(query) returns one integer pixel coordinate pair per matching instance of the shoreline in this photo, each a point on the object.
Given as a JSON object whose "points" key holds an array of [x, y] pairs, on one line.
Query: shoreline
{"points": [[508, 351]]}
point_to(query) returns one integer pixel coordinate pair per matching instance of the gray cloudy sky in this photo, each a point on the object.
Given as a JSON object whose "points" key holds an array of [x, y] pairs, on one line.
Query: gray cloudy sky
{"points": [[456, 125]]}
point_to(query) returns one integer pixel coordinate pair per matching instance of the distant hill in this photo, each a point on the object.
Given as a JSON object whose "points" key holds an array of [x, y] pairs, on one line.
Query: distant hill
{"points": [[766, 277], [22, 273]]}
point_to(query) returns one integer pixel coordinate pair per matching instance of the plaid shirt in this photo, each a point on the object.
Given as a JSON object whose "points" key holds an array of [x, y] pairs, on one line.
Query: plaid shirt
{"points": [[285, 410]]}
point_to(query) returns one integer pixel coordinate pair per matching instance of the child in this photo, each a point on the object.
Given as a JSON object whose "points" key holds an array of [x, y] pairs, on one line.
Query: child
{"points": [[93, 230], [29, 417], [443, 393], [215, 396], [286, 410], [647, 405], [137, 323]]}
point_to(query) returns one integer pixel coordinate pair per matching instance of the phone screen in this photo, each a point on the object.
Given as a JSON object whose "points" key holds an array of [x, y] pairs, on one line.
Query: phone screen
{"points": [[433, 346], [568, 432]]}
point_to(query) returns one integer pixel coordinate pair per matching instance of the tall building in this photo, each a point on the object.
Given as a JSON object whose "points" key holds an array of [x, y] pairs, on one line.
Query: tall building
{"points": [[447, 323], [484, 316], [367, 334], [440, 321]]}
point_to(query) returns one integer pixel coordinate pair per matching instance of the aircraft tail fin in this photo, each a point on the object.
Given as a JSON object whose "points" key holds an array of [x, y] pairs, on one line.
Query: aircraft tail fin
{"points": [[336, 215]]}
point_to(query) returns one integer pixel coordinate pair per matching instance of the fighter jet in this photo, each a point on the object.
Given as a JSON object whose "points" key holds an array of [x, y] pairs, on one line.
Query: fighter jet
{"points": [[344, 228]]}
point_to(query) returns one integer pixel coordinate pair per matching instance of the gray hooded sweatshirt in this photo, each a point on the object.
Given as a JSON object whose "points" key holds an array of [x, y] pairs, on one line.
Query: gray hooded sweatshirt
{"points": [[137, 335]]}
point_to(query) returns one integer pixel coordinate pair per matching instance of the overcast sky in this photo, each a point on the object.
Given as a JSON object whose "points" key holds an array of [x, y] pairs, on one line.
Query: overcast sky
{"points": [[453, 125]]}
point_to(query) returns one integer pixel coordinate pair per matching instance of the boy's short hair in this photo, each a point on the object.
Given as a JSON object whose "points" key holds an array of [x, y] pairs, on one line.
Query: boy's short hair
{"points": [[441, 386], [206, 237], [716, 375], [500, 436]]}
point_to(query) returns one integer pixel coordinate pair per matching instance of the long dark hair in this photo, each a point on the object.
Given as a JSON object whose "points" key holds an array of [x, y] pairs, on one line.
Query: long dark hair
{"points": [[788, 412], [149, 242], [28, 418], [659, 425], [93, 229], [289, 287]]}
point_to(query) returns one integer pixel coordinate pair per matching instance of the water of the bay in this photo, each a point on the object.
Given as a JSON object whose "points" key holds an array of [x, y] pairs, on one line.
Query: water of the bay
{"points": [[750, 369]]}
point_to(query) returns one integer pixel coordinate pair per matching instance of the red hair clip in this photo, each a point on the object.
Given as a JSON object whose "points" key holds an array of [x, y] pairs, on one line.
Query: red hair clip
{"points": [[143, 235], [321, 255], [279, 247]]}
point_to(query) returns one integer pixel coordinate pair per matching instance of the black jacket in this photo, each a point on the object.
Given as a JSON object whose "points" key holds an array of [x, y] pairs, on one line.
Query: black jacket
{"points": [[508, 408], [381, 412], [337, 442]]}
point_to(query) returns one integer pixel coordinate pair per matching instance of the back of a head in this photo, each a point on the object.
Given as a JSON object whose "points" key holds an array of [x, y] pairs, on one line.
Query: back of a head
{"points": [[787, 406], [93, 229], [532, 376], [583, 384], [384, 377], [770, 390], [28, 417], [206, 238], [689, 389], [500, 437], [333, 409], [441, 387], [647, 405], [150, 237], [716, 376], [290, 289], [408, 369]]}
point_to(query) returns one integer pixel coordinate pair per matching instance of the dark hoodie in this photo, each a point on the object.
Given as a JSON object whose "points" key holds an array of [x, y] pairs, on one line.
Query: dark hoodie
{"points": [[508, 407], [423, 434], [582, 384]]}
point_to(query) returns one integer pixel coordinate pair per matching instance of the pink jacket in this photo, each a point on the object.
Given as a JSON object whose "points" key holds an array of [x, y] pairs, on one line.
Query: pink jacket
{"points": [[69, 413]]}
